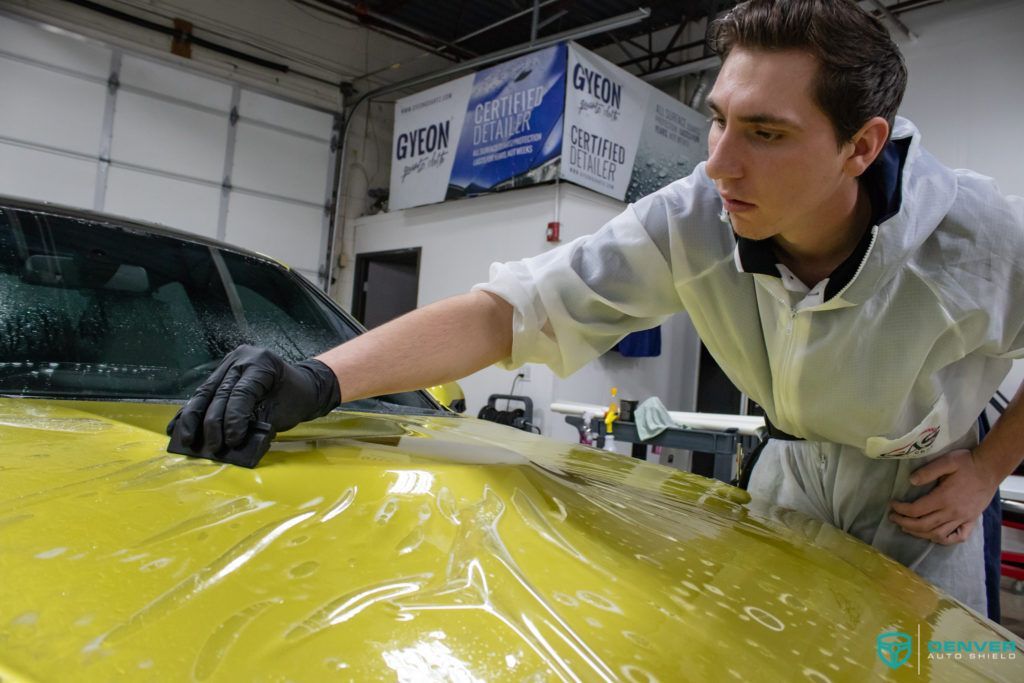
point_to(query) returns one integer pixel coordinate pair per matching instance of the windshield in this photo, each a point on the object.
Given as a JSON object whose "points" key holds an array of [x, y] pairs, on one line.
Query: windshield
{"points": [[96, 310]]}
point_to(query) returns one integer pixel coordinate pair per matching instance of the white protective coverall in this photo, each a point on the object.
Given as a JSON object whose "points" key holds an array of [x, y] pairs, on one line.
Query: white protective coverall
{"points": [[883, 372]]}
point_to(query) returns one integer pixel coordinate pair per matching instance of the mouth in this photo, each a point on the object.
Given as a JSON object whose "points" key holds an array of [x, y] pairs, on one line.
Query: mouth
{"points": [[734, 205]]}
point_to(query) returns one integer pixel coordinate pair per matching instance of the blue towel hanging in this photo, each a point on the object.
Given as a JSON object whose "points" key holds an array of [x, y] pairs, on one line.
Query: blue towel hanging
{"points": [[641, 344]]}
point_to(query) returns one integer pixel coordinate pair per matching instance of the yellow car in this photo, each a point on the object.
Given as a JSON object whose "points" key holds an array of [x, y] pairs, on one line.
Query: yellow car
{"points": [[390, 540]]}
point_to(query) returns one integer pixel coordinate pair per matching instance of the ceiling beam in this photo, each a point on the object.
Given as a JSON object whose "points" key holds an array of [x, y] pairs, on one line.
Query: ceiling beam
{"points": [[661, 53], [671, 43]]}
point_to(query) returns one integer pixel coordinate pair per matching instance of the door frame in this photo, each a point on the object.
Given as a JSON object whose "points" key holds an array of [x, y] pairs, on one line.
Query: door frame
{"points": [[362, 269]]}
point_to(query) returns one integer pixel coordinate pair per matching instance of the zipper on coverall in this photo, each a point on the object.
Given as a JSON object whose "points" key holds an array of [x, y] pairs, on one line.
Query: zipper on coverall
{"points": [[784, 367]]}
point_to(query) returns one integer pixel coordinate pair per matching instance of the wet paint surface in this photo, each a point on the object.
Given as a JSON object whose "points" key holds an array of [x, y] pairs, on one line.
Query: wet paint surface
{"points": [[423, 548]]}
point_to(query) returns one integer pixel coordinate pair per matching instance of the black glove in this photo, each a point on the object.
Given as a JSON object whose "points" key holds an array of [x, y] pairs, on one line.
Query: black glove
{"points": [[249, 377]]}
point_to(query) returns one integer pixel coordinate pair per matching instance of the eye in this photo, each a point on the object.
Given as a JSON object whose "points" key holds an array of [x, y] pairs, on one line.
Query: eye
{"points": [[717, 121], [767, 135]]}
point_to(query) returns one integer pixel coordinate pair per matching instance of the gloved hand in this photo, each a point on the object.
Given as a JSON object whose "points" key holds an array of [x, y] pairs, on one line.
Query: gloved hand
{"points": [[221, 409]]}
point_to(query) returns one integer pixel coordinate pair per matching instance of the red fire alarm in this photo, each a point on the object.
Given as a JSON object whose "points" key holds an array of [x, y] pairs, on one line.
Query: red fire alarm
{"points": [[552, 234]]}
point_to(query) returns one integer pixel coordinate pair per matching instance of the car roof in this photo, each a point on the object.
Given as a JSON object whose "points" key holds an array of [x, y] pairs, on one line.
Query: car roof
{"points": [[132, 223]]}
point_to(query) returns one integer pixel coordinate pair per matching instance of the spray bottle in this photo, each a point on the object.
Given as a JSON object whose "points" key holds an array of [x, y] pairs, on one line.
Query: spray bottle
{"points": [[610, 416], [587, 435]]}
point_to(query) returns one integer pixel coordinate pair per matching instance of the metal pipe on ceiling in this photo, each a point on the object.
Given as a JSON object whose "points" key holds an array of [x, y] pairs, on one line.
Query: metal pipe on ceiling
{"points": [[360, 10], [661, 53], [610, 24], [690, 67], [500, 22], [552, 18], [479, 31], [887, 13]]}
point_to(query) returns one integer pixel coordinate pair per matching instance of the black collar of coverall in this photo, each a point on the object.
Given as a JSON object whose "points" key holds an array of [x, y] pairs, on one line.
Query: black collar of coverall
{"points": [[882, 182]]}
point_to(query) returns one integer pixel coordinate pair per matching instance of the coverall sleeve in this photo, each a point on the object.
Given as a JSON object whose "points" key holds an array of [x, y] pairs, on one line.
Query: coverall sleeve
{"points": [[575, 302], [1009, 331]]}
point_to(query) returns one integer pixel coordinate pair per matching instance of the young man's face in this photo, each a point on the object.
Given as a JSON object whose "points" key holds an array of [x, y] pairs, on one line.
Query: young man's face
{"points": [[772, 151]]}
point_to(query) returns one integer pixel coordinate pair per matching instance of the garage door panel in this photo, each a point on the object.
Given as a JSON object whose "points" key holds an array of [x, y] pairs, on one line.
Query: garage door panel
{"points": [[164, 137], [177, 203], [285, 114], [69, 52], [169, 137], [279, 163], [45, 176], [172, 82], [50, 108], [288, 232]]}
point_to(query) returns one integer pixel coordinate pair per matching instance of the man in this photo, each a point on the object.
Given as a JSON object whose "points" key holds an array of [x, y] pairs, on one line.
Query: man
{"points": [[867, 297]]}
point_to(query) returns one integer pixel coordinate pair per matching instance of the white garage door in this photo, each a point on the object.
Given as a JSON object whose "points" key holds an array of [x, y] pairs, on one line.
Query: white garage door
{"points": [[88, 125]]}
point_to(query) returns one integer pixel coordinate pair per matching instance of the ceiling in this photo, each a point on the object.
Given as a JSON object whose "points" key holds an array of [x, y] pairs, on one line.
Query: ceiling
{"points": [[465, 29], [465, 33]]}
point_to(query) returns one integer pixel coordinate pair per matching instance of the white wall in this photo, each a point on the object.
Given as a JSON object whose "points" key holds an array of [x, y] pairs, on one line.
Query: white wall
{"points": [[966, 92], [460, 239], [367, 166]]}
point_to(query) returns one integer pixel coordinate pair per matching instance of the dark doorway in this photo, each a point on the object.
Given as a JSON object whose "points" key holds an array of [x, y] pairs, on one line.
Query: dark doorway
{"points": [[715, 394], [386, 285]]}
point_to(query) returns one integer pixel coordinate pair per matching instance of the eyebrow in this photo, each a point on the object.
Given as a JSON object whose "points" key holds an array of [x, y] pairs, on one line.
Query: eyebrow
{"points": [[768, 119]]}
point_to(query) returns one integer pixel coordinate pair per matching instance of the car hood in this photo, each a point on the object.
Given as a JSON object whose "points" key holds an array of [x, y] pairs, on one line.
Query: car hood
{"points": [[391, 547]]}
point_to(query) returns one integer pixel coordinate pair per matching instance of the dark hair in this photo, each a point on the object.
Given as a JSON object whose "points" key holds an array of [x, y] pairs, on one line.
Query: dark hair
{"points": [[861, 72]]}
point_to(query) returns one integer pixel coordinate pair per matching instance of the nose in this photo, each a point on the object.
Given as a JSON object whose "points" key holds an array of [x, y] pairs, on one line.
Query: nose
{"points": [[724, 160]]}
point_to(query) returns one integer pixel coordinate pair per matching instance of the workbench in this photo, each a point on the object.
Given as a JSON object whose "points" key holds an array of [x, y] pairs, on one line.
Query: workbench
{"points": [[726, 445], [727, 437]]}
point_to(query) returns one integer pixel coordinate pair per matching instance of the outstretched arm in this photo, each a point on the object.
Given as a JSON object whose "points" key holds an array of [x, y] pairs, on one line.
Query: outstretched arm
{"points": [[431, 345]]}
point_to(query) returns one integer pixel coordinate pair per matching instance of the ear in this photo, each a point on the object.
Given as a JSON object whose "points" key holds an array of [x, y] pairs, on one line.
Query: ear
{"points": [[865, 146]]}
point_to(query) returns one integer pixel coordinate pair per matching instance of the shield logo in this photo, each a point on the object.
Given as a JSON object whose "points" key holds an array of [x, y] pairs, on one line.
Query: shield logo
{"points": [[894, 648]]}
